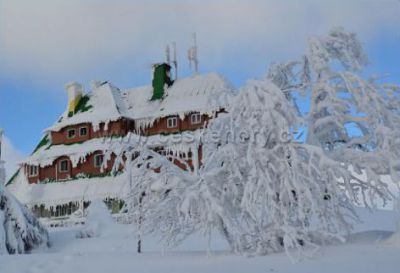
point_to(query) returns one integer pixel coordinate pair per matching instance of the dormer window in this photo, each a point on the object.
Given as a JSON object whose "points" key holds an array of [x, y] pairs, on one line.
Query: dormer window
{"points": [[71, 133], [33, 171], [63, 166], [195, 118], [83, 131], [172, 122]]}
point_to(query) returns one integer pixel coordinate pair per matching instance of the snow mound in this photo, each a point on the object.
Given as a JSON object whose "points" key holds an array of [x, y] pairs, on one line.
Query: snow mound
{"points": [[98, 221], [394, 240], [20, 231], [369, 237]]}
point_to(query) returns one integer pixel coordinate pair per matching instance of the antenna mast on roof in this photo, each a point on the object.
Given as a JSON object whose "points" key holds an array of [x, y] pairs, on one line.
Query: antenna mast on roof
{"points": [[192, 55], [2, 170], [175, 62], [167, 54], [1, 137]]}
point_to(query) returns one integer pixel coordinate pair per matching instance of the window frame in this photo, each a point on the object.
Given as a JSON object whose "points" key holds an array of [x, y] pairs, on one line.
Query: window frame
{"points": [[71, 130], [80, 131], [171, 119], [33, 167], [197, 121], [60, 165], [95, 160]]}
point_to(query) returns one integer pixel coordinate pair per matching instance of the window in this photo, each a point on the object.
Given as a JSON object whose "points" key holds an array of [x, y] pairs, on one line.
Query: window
{"points": [[71, 133], [195, 118], [83, 131], [63, 166], [172, 122], [131, 125], [33, 171], [98, 160]]}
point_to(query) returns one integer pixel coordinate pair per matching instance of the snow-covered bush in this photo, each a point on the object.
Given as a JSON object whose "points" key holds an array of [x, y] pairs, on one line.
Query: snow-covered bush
{"points": [[98, 221], [20, 231]]}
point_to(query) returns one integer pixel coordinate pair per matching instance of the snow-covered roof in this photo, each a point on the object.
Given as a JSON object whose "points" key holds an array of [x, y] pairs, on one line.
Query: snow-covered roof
{"points": [[105, 104], [204, 93], [77, 153], [70, 191]]}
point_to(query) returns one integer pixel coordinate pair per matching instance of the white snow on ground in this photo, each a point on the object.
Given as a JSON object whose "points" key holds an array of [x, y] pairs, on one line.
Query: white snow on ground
{"points": [[114, 251]]}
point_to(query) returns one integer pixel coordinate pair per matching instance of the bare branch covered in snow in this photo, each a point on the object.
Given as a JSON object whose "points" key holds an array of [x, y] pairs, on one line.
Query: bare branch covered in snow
{"points": [[355, 121]]}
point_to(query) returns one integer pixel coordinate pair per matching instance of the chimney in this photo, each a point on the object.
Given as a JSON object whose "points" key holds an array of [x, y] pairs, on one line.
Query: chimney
{"points": [[74, 91], [161, 80]]}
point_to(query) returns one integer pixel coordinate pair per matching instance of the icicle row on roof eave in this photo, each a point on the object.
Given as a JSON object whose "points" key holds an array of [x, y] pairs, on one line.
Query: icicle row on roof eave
{"points": [[115, 146]]}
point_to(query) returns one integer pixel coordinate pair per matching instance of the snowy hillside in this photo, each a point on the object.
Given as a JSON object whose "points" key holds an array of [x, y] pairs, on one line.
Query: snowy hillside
{"points": [[116, 252]]}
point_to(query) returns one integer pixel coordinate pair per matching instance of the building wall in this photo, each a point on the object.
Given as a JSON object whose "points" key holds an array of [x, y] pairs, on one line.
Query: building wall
{"points": [[160, 126], [119, 127], [53, 173], [122, 127]]}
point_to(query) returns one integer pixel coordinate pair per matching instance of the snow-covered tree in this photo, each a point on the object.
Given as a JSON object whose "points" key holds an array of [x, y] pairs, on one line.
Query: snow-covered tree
{"points": [[355, 121], [260, 189], [157, 187], [20, 231], [263, 190]]}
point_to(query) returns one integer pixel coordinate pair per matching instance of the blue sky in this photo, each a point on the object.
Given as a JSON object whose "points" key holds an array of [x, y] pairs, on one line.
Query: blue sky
{"points": [[45, 44]]}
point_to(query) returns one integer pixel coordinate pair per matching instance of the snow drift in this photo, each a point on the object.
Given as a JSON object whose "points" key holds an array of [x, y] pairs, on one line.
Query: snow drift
{"points": [[98, 221]]}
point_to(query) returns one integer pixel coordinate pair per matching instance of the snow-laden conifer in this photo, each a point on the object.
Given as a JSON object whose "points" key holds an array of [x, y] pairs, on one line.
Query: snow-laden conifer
{"points": [[20, 231]]}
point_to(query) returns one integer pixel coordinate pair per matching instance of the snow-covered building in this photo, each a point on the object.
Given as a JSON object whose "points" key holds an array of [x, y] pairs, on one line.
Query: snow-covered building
{"points": [[68, 168]]}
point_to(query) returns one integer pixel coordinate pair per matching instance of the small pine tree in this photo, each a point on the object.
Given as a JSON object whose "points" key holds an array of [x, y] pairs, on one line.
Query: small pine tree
{"points": [[20, 231]]}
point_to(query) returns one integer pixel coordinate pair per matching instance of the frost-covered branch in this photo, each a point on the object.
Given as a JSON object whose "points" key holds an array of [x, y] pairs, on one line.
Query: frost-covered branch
{"points": [[355, 121]]}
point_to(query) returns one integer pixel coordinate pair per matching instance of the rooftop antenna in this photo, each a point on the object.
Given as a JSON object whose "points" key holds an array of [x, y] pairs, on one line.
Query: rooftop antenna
{"points": [[192, 54], [175, 62], [1, 137], [2, 170], [167, 54]]}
